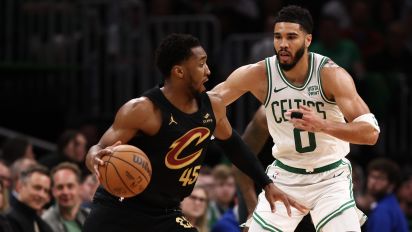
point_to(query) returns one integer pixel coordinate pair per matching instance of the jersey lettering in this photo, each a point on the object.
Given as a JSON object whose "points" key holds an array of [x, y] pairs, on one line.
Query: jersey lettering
{"points": [[279, 108]]}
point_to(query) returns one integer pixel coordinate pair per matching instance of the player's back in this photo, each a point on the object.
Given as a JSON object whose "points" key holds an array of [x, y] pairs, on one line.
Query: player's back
{"points": [[292, 146]]}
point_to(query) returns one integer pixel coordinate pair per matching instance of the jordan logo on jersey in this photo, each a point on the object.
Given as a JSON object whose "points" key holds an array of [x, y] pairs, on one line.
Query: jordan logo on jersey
{"points": [[207, 119], [172, 120]]}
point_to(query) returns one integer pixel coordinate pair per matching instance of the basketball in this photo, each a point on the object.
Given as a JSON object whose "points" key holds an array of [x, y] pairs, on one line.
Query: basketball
{"points": [[126, 172]]}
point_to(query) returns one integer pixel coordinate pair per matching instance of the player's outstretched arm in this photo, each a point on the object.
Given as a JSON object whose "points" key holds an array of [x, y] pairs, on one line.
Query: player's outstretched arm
{"points": [[248, 78], [255, 136], [241, 156], [126, 124], [338, 85]]}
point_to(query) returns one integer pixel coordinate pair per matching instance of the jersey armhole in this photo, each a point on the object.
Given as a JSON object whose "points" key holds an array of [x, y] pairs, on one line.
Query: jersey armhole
{"points": [[269, 81], [322, 93]]}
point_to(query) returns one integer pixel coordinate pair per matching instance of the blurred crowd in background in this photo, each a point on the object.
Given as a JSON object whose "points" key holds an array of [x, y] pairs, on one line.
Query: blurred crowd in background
{"points": [[66, 67]]}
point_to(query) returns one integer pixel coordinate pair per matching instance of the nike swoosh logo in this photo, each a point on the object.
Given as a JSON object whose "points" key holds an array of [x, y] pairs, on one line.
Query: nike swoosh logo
{"points": [[338, 174], [278, 90]]}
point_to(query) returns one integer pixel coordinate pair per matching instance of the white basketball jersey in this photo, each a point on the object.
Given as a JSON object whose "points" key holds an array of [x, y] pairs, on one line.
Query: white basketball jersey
{"points": [[293, 147]]}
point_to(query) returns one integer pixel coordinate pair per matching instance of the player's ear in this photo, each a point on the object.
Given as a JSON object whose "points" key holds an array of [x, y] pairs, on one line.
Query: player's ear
{"points": [[177, 71], [308, 40]]}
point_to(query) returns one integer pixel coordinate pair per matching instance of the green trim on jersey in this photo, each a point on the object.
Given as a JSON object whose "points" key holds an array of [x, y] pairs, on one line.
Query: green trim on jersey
{"points": [[343, 207], [269, 77], [304, 171], [265, 225], [350, 179], [322, 63], [335, 213], [309, 74]]}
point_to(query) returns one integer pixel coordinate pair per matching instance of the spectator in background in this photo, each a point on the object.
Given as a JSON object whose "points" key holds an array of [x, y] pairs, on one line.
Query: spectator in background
{"points": [[16, 148], [386, 215], [33, 189], [224, 193], [4, 223], [405, 197], [66, 215], [4, 201], [88, 188], [194, 208], [4, 192], [71, 147], [5, 176], [205, 180], [16, 168]]}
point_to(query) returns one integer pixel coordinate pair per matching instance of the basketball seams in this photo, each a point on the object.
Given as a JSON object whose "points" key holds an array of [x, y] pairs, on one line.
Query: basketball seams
{"points": [[105, 171], [121, 179], [141, 173]]}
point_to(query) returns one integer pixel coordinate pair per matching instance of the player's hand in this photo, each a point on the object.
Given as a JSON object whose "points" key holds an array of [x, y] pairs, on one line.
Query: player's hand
{"points": [[273, 194], [309, 120], [97, 157]]}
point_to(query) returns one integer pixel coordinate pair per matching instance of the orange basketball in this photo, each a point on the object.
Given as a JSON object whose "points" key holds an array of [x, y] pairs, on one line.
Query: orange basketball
{"points": [[126, 172]]}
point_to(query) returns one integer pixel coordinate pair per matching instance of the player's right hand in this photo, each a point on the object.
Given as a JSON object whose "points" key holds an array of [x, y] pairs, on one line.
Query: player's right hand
{"points": [[97, 157]]}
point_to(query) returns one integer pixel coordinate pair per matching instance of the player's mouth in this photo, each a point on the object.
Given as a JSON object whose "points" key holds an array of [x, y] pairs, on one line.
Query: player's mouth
{"points": [[284, 56]]}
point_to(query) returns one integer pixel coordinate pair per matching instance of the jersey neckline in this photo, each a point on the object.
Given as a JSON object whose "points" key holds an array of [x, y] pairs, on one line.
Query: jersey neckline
{"points": [[308, 75]]}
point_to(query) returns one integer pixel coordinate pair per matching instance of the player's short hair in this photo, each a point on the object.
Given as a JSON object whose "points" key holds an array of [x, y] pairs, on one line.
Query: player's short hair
{"points": [[174, 49], [296, 14]]}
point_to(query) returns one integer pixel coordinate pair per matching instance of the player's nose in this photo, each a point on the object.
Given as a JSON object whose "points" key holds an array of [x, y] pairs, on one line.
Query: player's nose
{"points": [[207, 70]]}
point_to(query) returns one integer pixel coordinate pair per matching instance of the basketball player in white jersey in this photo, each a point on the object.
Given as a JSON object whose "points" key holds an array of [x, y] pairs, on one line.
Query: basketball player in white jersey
{"points": [[310, 147]]}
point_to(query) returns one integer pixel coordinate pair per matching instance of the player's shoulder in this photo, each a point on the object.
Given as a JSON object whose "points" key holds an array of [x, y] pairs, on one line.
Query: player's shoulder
{"points": [[258, 67], [331, 71], [330, 67], [140, 105], [335, 79]]}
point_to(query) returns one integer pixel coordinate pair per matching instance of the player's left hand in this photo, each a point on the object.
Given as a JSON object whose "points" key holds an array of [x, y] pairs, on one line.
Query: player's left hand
{"points": [[310, 120], [273, 194]]}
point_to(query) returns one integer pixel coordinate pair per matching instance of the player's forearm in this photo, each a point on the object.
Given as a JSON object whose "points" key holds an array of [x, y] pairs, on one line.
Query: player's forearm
{"points": [[353, 132], [247, 188]]}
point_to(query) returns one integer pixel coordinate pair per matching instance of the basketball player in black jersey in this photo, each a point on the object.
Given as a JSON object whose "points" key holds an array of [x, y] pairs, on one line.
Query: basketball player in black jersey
{"points": [[173, 125]]}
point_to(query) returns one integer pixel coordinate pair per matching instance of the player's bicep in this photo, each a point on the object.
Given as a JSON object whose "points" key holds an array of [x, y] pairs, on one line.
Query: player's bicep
{"points": [[127, 123], [342, 87]]}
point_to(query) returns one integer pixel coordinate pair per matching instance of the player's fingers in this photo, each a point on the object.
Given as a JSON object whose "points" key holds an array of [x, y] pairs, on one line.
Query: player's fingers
{"points": [[305, 108], [117, 143], [273, 206], [287, 205], [96, 171], [298, 206]]}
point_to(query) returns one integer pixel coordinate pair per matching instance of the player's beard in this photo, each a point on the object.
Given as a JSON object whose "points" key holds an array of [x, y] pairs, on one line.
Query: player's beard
{"points": [[298, 55]]}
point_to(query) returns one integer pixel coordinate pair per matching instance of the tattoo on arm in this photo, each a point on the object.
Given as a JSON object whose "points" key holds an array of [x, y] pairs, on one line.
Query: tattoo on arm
{"points": [[331, 64]]}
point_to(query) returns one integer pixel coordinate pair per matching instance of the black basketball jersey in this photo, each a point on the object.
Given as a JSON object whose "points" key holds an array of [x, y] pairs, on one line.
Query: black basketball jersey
{"points": [[176, 152]]}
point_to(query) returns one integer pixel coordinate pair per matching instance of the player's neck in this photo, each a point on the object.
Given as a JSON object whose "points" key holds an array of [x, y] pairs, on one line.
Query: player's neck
{"points": [[298, 74], [181, 99]]}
